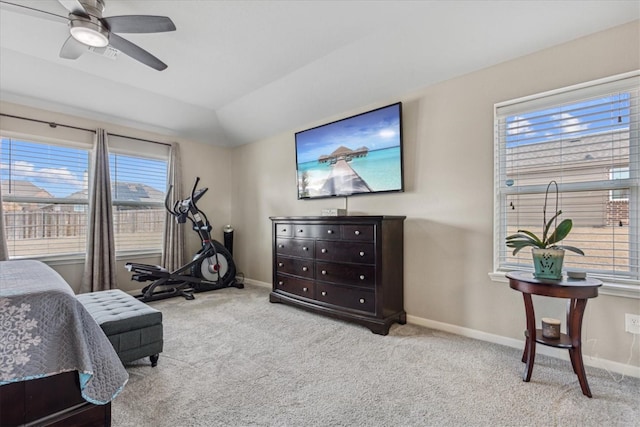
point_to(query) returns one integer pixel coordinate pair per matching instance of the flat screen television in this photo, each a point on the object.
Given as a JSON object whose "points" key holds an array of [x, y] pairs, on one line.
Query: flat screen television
{"points": [[361, 154]]}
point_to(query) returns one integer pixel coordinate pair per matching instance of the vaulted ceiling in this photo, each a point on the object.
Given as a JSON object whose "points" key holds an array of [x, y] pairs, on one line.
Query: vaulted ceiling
{"points": [[240, 71]]}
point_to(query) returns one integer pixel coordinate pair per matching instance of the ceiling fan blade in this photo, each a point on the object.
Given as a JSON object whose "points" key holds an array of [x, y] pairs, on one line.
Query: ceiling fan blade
{"points": [[139, 24], [74, 6], [26, 10], [72, 49], [136, 52]]}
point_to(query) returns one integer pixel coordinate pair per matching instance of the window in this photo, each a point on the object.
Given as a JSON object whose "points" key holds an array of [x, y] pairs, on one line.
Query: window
{"points": [[585, 138], [45, 202], [621, 195], [138, 188], [44, 198]]}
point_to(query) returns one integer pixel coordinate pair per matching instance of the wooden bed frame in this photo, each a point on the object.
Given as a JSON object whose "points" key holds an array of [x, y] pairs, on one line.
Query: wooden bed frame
{"points": [[50, 401]]}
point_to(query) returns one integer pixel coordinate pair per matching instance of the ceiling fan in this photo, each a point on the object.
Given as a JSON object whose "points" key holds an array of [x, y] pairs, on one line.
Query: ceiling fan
{"points": [[89, 29]]}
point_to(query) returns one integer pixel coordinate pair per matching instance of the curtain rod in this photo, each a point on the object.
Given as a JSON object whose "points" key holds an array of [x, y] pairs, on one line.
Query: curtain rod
{"points": [[55, 125], [51, 124]]}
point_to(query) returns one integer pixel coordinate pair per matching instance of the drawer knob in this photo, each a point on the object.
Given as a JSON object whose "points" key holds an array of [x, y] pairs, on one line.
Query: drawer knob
{"points": [[361, 253], [362, 277], [357, 232], [281, 283], [304, 248], [324, 272], [301, 231], [323, 250], [361, 300], [281, 246], [324, 293], [304, 289], [280, 264], [329, 231], [305, 268], [284, 230]]}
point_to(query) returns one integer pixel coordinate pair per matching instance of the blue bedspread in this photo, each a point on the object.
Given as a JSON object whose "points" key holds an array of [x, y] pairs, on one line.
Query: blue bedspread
{"points": [[45, 330]]}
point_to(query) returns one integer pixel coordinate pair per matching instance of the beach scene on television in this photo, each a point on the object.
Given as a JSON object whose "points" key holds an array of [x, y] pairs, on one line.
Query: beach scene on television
{"points": [[360, 154]]}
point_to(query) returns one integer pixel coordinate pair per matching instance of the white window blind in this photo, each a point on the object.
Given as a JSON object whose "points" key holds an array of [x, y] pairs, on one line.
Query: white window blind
{"points": [[138, 188], [587, 139], [44, 198]]}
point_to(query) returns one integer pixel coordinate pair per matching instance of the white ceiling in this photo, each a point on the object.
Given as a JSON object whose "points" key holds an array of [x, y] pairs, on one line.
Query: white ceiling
{"points": [[240, 71]]}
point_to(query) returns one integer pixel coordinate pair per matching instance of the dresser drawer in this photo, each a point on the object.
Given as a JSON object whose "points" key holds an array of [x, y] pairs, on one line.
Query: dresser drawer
{"points": [[295, 266], [295, 247], [284, 229], [353, 298], [294, 285], [361, 233], [349, 274], [356, 252], [317, 231]]}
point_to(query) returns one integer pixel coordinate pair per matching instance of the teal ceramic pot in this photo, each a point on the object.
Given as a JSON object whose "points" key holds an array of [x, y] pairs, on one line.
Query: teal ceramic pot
{"points": [[548, 263]]}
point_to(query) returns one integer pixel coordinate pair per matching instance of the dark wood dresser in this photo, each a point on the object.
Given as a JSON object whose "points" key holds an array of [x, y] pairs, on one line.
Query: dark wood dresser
{"points": [[348, 267]]}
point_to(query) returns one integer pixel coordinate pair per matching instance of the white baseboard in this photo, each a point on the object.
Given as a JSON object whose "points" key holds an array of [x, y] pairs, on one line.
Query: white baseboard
{"points": [[608, 365], [257, 283]]}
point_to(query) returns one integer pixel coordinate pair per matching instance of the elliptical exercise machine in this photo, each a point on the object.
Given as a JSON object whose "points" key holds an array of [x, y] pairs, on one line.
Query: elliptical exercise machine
{"points": [[210, 269]]}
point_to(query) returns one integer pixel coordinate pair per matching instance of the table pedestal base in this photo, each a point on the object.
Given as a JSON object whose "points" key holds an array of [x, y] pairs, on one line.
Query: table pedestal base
{"points": [[577, 293]]}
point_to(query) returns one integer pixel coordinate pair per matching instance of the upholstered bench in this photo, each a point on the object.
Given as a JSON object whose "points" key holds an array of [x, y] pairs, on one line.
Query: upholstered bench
{"points": [[133, 328]]}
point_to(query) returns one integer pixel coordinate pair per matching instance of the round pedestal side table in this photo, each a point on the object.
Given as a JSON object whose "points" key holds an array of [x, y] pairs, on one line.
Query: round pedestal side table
{"points": [[577, 291]]}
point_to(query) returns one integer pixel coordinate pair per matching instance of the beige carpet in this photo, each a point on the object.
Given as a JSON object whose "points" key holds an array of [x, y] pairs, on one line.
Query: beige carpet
{"points": [[231, 358]]}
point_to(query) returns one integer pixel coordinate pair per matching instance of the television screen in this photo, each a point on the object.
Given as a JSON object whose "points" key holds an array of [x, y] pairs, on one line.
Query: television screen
{"points": [[357, 155]]}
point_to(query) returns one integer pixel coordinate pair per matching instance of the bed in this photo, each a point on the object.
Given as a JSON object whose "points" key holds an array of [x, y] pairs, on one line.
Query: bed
{"points": [[57, 367]]}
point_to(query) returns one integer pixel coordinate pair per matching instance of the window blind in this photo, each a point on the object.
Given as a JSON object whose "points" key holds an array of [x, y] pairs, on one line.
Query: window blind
{"points": [[138, 188], [586, 139], [44, 198]]}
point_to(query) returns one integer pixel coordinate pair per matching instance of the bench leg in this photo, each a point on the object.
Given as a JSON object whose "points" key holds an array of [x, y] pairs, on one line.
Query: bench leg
{"points": [[154, 360]]}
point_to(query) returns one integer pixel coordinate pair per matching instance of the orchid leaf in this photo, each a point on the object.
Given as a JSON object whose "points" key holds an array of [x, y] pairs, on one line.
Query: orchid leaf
{"points": [[532, 236], [520, 241], [521, 236], [572, 249], [547, 226], [518, 246], [561, 231]]}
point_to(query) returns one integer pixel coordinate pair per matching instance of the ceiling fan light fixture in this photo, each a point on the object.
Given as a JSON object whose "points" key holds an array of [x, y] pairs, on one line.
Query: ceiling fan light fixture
{"points": [[89, 33]]}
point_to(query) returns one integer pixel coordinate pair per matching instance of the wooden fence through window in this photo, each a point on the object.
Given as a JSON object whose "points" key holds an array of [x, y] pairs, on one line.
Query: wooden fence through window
{"points": [[56, 224]]}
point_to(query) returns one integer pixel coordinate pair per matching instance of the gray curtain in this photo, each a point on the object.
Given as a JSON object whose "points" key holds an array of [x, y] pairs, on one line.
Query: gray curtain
{"points": [[100, 264], [173, 242], [4, 251]]}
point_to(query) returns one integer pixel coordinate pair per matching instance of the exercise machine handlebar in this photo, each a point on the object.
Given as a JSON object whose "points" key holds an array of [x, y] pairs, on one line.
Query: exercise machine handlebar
{"points": [[182, 208]]}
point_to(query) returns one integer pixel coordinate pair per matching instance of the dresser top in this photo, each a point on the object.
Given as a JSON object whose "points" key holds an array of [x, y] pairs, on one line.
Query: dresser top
{"points": [[347, 218]]}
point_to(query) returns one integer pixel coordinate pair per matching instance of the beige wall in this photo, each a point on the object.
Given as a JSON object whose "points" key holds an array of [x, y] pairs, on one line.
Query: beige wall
{"points": [[448, 143], [210, 163]]}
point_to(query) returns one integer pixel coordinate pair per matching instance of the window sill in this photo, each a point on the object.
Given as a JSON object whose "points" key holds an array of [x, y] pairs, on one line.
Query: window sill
{"points": [[70, 259], [623, 290], [66, 259]]}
